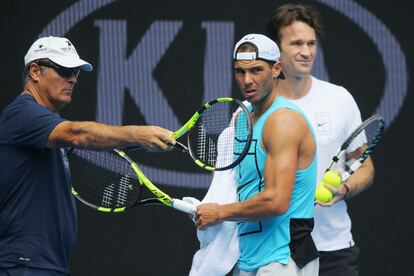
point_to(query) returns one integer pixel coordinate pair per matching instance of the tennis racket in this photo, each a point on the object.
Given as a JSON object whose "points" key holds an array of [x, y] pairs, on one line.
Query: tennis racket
{"points": [[212, 130], [358, 147], [110, 181]]}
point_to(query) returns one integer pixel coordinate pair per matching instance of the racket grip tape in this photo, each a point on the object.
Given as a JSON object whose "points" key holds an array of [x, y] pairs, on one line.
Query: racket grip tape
{"points": [[355, 166], [184, 206]]}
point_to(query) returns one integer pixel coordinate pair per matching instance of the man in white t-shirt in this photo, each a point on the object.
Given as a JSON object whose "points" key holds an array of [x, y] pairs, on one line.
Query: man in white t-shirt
{"points": [[334, 115]]}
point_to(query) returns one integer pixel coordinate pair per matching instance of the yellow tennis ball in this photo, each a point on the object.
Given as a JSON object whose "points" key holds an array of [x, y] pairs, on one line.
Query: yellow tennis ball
{"points": [[332, 178], [322, 193]]}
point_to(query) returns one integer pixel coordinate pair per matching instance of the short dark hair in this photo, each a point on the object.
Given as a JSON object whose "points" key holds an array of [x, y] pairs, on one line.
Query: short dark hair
{"points": [[286, 14]]}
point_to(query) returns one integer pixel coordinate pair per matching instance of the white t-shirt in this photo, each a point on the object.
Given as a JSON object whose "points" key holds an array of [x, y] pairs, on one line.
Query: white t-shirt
{"points": [[333, 113]]}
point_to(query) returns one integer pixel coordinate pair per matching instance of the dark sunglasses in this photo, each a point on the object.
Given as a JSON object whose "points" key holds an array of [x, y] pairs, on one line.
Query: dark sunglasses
{"points": [[62, 71]]}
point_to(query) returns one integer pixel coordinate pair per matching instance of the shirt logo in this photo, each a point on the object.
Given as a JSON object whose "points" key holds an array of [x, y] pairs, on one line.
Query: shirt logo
{"points": [[323, 123]]}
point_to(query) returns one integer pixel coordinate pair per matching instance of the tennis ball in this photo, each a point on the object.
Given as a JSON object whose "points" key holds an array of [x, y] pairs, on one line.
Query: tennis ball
{"points": [[322, 193], [332, 178]]}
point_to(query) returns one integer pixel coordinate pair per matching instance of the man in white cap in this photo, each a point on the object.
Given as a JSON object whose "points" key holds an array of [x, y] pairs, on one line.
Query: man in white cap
{"points": [[276, 181], [37, 209]]}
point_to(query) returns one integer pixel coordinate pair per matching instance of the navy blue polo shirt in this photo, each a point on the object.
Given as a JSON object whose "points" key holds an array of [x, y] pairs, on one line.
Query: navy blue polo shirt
{"points": [[37, 209]]}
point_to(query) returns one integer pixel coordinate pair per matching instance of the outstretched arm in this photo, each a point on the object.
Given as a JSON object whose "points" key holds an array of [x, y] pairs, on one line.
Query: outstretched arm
{"points": [[100, 136]]}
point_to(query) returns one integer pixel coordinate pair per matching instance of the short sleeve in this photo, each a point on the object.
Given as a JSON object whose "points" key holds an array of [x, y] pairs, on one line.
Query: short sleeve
{"points": [[25, 123], [353, 113]]}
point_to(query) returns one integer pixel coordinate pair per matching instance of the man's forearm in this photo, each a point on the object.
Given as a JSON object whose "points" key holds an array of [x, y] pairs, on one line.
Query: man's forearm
{"points": [[361, 179], [92, 135], [258, 207]]}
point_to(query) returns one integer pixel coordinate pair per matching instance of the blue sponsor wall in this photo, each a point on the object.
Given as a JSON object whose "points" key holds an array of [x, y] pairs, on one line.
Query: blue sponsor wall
{"points": [[156, 62]]}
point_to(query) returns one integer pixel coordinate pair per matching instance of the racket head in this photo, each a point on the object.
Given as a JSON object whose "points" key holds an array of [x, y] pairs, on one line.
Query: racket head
{"points": [[106, 180], [359, 145], [211, 139]]}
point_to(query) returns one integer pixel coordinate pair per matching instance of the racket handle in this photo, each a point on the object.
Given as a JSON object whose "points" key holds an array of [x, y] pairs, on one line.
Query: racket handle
{"points": [[184, 206], [355, 166]]}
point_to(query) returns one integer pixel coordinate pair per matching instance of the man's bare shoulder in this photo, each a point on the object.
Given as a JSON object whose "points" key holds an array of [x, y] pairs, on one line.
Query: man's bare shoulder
{"points": [[285, 119], [284, 128]]}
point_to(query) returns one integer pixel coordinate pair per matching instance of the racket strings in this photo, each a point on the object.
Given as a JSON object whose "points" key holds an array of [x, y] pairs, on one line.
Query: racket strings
{"points": [[103, 179], [365, 141], [212, 152], [212, 139], [201, 148]]}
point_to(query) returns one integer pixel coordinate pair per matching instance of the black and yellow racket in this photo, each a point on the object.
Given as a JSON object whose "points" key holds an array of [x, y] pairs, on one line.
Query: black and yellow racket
{"points": [[211, 133], [110, 181]]}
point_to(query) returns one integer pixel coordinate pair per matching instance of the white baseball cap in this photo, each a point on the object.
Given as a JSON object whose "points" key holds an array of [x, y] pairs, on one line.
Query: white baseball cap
{"points": [[266, 49], [59, 50]]}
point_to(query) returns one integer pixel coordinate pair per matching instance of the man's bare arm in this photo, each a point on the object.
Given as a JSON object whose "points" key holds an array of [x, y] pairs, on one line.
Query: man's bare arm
{"points": [[100, 136], [282, 147]]}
